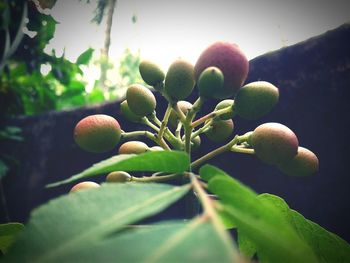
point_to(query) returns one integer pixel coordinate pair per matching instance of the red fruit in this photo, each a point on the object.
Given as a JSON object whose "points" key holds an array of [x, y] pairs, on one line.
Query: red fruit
{"points": [[97, 133], [230, 60], [84, 185]]}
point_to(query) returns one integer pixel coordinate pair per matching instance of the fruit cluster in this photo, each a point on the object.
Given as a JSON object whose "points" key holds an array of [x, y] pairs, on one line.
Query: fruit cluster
{"points": [[219, 74]]}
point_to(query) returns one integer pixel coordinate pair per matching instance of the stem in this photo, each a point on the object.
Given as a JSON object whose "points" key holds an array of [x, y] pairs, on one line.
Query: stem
{"points": [[211, 115], [147, 122], [165, 121], [179, 113], [225, 148], [149, 135], [162, 178], [209, 211], [201, 130], [178, 130], [238, 149]]}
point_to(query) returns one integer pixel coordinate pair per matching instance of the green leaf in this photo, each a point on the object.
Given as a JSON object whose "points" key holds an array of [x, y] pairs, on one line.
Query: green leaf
{"points": [[261, 223], [327, 246], [85, 57], [8, 234], [175, 241], [165, 161], [82, 220]]}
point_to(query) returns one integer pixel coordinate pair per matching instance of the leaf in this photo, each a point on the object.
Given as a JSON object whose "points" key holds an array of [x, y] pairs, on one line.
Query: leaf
{"points": [[78, 221], [261, 223], [8, 233], [175, 241], [85, 57], [165, 161], [327, 246]]}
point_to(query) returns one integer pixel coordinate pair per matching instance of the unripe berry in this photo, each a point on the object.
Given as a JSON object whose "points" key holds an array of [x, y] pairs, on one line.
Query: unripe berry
{"points": [[225, 104], [141, 100], [84, 185], [179, 80], [135, 147], [184, 106], [274, 143], [97, 133], [155, 149], [256, 99], [118, 177], [151, 73], [230, 60], [220, 130], [210, 81], [303, 164], [127, 113]]}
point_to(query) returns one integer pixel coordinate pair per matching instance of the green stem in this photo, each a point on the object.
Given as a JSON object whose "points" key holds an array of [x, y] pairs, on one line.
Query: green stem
{"points": [[225, 148], [201, 130], [179, 112], [162, 178], [147, 134], [211, 115], [211, 214], [165, 121], [238, 149], [178, 130]]}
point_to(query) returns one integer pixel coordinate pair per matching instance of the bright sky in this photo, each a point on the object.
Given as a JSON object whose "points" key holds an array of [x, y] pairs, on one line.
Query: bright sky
{"points": [[166, 30]]}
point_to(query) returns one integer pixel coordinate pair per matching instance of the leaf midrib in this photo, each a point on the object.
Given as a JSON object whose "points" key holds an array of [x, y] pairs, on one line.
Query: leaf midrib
{"points": [[96, 231]]}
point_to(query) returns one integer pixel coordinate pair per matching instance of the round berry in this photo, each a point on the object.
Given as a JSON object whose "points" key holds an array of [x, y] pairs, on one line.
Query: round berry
{"points": [[305, 163], [127, 113], [274, 143], [141, 100], [118, 177], [179, 80], [256, 99], [223, 105], [135, 147], [151, 73], [84, 185], [210, 81], [232, 62], [220, 130], [97, 133]]}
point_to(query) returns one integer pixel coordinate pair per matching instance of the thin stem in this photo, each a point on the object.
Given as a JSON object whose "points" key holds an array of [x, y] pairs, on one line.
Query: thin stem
{"points": [[201, 130], [165, 121], [147, 134], [147, 122], [210, 212], [179, 112], [225, 148], [239, 149], [211, 115], [160, 178], [178, 130]]}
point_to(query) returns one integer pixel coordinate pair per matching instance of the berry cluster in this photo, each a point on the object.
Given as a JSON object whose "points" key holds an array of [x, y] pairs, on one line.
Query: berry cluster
{"points": [[219, 74]]}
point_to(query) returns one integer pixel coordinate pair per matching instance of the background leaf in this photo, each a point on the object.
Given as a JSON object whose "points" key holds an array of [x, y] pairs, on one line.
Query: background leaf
{"points": [[8, 233], [85, 57], [78, 221], [164, 161], [327, 246], [261, 223]]}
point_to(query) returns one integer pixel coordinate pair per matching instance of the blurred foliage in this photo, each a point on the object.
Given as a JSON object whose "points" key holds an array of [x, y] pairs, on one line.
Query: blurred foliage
{"points": [[32, 81]]}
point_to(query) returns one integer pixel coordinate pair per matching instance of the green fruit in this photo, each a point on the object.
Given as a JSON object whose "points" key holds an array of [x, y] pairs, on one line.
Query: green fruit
{"points": [[232, 62], [84, 185], [303, 164], [135, 147], [210, 81], [151, 73], [225, 104], [220, 130], [118, 177], [179, 80], [184, 106], [274, 143], [141, 100], [256, 99], [127, 113], [97, 133]]}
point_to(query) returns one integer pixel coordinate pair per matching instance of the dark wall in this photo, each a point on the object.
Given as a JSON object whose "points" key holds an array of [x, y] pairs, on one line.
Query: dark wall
{"points": [[314, 82]]}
